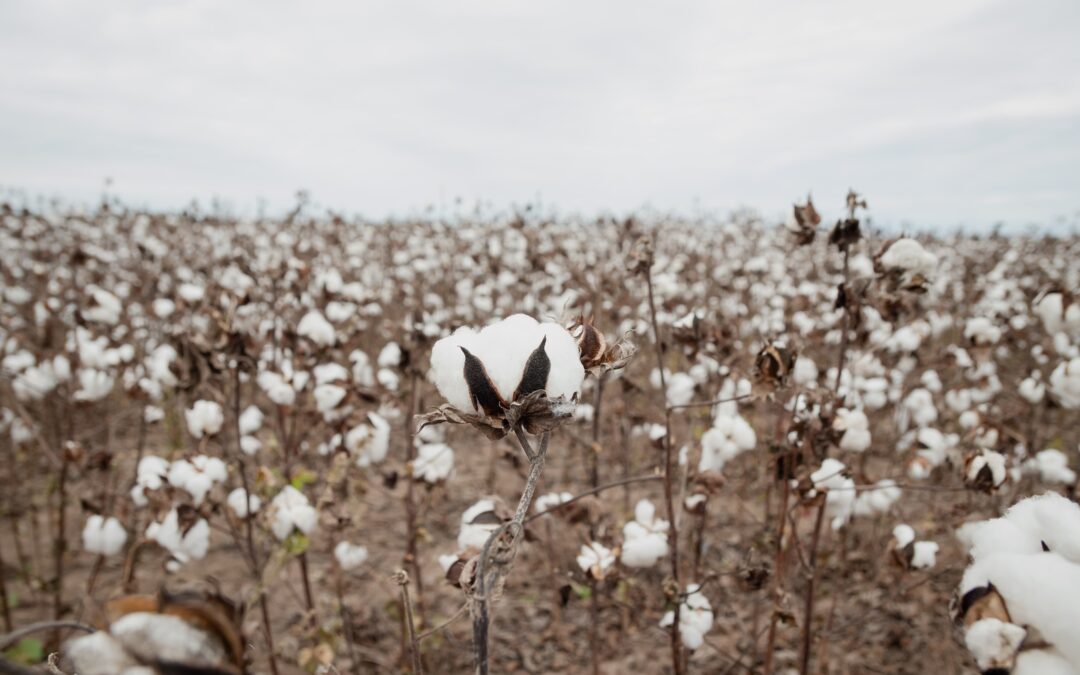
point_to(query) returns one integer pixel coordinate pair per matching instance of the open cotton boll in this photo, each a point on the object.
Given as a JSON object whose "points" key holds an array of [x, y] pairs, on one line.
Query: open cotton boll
{"points": [[350, 556], [550, 500], [475, 527], [919, 404], [1040, 590], [856, 428], [204, 418], [276, 388], [595, 559], [644, 538], [925, 555], [104, 536], [981, 331], [730, 436], [316, 328], [183, 546], [251, 420], [369, 443], [327, 399], [840, 491], [434, 462], [1052, 466], [878, 499], [290, 510], [390, 356], [240, 506], [909, 255], [327, 373], [805, 372], [1065, 383], [1029, 526], [94, 385], [680, 390], [197, 476], [1031, 390], [993, 642], [100, 654], [986, 467], [504, 348], [695, 618], [903, 535]]}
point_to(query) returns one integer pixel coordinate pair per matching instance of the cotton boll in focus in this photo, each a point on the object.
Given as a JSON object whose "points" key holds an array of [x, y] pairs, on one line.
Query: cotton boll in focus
{"points": [[350, 556], [104, 536], [993, 643]]}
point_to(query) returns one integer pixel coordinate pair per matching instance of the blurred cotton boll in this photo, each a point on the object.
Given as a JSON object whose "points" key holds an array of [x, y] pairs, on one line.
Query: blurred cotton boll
{"points": [[695, 618], [204, 418], [104, 536]]}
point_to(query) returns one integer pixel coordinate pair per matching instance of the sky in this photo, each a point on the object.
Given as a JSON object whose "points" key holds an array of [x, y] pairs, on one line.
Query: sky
{"points": [[963, 112]]}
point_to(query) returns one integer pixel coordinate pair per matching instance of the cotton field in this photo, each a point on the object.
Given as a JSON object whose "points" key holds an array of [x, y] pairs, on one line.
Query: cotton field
{"points": [[527, 443]]}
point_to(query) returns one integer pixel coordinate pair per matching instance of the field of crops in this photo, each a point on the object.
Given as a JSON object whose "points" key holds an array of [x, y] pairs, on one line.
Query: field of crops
{"points": [[532, 444]]}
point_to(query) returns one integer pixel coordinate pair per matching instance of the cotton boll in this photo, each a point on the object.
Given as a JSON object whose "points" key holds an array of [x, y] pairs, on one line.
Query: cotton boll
{"points": [[327, 399], [390, 356], [475, 530], [316, 328], [163, 308], [986, 470], [993, 642], [204, 418], [362, 372], [920, 405], [433, 463], [903, 535], [1052, 466], [350, 556], [251, 420], [878, 499], [1065, 383], [550, 500], [910, 257], [291, 511], [370, 442], [840, 491], [695, 618], [104, 536], [240, 506], [856, 428], [925, 555], [680, 389], [329, 373], [94, 385], [805, 372], [981, 331], [184, 546], [595, 559], [1031, 390], [99, 654], [730, 436], [644, 538], [1029, 526]]}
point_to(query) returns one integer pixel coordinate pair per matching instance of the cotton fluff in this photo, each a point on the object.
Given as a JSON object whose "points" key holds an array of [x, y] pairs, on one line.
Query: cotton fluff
{"points": [[197, 476], [695, 617], [290, 510], [551, 500], [1065, 383], [993, 642], [840, 491], [350, 556], [1032, 390], [316, 328], [987, 460], [910, 257], [94, 385], [104, 536], [149, 475], [644, 537], [433, 463], [1048, 519], [251, 420], [204, 418], [243, 507], [276, 388], [595, 559], [1052, 466], [919, 404], [1056, 317], [327, 399], [369, 443], [878, 499], [504, 348], [475, 534], [729, 436], [183, 546], [855, 427], [680, 389], [981, 331]]}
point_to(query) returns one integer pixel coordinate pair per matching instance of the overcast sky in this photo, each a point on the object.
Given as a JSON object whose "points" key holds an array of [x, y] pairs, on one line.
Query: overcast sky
{"points": [[941, 112]]}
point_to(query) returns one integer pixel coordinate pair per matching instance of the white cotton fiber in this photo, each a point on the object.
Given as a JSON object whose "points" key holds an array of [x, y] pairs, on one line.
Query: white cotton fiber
{"points": [[504, 348]]}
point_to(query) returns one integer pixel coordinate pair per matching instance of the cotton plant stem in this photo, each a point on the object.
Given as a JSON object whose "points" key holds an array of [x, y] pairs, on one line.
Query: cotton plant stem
{"points": [[402, 579], [516, 525], [412, 557], [808, 615], [673, 531]]}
